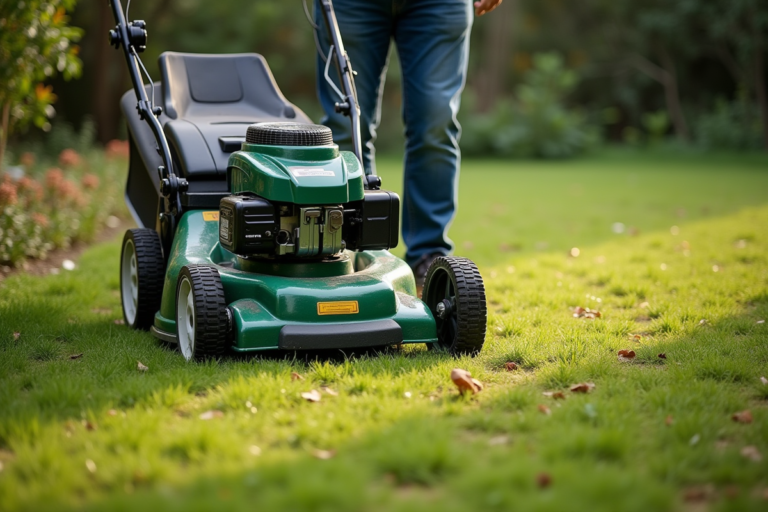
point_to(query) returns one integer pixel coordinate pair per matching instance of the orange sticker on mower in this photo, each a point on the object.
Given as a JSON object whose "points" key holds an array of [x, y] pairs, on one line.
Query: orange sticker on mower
{"points": [[343, 307], [211, 216]]}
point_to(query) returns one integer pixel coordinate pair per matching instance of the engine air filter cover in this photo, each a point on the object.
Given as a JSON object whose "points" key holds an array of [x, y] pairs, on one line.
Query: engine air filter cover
{"points": [[289, 134]]}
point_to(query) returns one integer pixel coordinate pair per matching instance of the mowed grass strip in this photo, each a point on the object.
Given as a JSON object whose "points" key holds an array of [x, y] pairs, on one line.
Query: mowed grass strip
{"points": [[655, 433]]}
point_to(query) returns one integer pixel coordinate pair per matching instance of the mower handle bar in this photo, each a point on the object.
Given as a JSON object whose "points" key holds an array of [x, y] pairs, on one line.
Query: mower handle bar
{"points": [[170, 184], [348, 106]]}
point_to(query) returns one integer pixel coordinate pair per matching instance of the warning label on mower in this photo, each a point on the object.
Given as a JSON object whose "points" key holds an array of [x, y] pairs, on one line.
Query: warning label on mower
{"points": [[209, 216], [342, 307], [302, 172]]}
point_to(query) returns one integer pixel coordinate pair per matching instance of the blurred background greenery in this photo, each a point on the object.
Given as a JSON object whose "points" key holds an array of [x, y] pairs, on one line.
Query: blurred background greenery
{"points": [[548, 78]]}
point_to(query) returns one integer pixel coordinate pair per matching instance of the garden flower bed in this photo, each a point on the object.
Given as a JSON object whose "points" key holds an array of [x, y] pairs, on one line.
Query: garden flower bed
{"points": [[44, 208]]}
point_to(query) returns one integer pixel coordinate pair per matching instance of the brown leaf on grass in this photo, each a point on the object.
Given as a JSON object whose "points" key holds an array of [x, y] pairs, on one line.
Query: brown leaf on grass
{"points": [[544, 409], [583, 387], [580, 312], [323, 454], [329, 391], [209, 415], [88, 425], [557, 395], [697, 494], [16, 336], [626, 355], [141, 367], [296, 376], [669, 420], [752, 453], [636, 337], [744, 416], [464, 381], [311, 396], [764, 381], [510, 366], [76, 356], [543, 480], [662, 355]]}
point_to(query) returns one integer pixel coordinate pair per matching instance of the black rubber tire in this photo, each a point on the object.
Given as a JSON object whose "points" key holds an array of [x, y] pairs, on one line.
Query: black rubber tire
{"points": [[211, 319], [462, 331], [149, 274]]}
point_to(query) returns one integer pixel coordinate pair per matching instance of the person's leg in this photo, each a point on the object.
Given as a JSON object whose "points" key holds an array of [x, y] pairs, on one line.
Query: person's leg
{"points": [[366, 31], [432, 39]]}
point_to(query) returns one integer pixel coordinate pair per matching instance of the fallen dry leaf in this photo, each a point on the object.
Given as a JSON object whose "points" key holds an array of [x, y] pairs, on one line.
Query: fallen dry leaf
{"points": [[544, 409], [311, 396], [141, 367], [464, 381], [16, 336], [543, 480], [669, 420], [88, 425], [329, 391], [510, 366], [742, 416], [636, 337], [764, 381], [580, 312], [209, 415], [296, 376], [76, 356], [557, 395], [662, 355], [697, 494], [626, 355], [119, 321], [752, 453], [324, 454], [583, 387]]}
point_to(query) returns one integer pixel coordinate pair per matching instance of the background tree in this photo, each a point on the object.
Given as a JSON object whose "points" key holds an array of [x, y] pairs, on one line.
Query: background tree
{"points": [[35, 43]]}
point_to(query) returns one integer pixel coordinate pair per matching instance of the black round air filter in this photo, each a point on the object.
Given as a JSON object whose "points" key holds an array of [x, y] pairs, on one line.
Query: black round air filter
{"points": [[289, 134]]}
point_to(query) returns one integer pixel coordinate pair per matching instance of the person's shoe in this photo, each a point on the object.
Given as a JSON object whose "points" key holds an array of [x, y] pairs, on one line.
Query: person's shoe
{"points": [[420, 269]]}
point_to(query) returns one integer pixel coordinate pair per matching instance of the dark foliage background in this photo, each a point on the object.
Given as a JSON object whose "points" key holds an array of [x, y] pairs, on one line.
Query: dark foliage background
{"points": [[693, 70]]}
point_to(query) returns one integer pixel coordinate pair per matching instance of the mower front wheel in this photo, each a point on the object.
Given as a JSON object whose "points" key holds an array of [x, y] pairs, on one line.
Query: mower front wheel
{"points": [[201, 313], [142, 271], [454, 292]]}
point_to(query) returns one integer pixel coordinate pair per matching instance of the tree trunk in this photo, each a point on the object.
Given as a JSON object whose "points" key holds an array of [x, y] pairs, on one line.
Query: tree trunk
{"points": [[667, 77], [762, 96], [103, 95], [496, 50], [6, 126]]}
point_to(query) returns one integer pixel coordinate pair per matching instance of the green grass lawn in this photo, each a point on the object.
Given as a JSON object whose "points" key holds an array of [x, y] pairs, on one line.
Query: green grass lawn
{"points": [[654, 434]]}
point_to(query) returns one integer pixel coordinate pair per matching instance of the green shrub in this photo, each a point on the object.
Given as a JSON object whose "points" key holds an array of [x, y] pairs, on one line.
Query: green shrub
{"points": [[537, 123], [731, 125]]}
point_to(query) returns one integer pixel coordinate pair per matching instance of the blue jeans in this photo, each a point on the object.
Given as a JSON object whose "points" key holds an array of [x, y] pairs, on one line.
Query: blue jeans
{"points": [[432, 41]]}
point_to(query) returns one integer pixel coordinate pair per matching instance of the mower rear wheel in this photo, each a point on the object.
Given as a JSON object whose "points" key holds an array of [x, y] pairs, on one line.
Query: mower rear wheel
{"points": [[201, 313], [142, 271], [454, 292]]}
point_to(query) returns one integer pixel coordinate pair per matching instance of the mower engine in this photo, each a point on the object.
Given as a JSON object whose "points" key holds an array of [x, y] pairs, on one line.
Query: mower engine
{"points": [[295, 195]]}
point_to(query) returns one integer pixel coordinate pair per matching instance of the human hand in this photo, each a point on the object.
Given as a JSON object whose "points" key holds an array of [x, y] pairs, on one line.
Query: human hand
{"points": [[486, 6]]}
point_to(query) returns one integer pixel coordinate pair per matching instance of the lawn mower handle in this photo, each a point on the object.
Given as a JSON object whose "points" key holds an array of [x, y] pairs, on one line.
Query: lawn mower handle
{"points": [[349, 106], [133, 39]]}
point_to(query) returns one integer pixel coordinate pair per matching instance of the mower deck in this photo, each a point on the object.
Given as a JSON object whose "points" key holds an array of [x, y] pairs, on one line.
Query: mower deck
{"points": [[359, 299]]}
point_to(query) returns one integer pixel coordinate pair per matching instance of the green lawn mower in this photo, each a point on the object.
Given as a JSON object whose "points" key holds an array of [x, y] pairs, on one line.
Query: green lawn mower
{"points": [[256, 233]]}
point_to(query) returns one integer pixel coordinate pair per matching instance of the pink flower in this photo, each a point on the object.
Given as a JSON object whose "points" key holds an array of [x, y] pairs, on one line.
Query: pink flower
{"points": [[117, 149], [90, 182], [8, 195], [69, 158]]}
